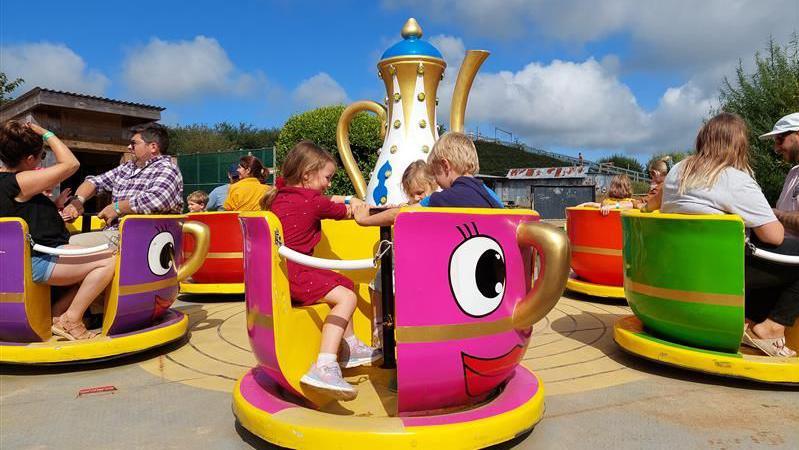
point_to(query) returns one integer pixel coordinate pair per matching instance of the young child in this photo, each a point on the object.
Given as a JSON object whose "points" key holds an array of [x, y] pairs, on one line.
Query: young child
{"points": [[657, 172], [197, 201], [453, 163], [300, 205], [619, 196], [417, 183]]}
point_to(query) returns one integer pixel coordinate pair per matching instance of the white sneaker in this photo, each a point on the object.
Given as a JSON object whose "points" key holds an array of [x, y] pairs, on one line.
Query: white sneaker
{"points": [[328, 378], [358, 355]]}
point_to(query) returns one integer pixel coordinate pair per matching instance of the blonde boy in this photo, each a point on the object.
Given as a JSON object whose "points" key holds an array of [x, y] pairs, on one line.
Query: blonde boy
{"points": [[453, 162], [197, 201]]}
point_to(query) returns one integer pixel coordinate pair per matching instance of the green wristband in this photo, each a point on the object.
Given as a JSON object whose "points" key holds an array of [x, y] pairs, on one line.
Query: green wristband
{"points": [[47, 135], [116, 208]]}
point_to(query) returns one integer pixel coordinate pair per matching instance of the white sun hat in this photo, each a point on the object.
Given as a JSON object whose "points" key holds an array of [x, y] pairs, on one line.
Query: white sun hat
{"points": [[787, 123]]}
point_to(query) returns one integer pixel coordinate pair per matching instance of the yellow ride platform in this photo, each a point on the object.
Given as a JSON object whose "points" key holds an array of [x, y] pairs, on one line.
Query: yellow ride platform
{"points": [[266, 410], [211, 288], [173, 326], [596, 290], [629, 333]]}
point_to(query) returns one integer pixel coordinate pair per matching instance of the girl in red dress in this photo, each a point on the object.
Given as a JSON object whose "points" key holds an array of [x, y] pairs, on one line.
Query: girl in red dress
{"points": [[300, 205]]}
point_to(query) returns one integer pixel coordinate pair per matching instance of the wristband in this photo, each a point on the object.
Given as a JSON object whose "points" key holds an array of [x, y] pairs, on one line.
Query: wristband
{"points": [[116, 208], [47, 135], [81, 199], [347, 199]]}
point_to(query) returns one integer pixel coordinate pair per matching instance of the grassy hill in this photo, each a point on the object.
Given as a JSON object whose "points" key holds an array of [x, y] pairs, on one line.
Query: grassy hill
{"points": [[496, 159]]}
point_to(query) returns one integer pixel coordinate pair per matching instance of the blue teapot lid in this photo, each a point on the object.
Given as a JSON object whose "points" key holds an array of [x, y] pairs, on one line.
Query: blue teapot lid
{"points": [[412, 43]]}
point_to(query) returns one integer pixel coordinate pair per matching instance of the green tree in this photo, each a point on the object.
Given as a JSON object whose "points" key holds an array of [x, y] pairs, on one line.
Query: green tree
{"points": [[7, 87], [200, 138], [247, 135], [761, 98], [319, 126], [623, 161]]}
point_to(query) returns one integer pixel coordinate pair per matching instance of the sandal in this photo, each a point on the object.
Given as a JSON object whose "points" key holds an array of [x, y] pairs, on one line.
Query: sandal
{"points": [[771, 347], [71, 331]]}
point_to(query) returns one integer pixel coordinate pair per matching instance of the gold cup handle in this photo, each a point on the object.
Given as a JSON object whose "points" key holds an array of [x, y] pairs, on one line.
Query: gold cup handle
{"points": [[202, 241], [343, 140], [552, 246]]}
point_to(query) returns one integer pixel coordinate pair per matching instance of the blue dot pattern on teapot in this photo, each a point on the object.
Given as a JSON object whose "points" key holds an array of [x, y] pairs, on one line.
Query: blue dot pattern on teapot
{"points": [[381, 190]]}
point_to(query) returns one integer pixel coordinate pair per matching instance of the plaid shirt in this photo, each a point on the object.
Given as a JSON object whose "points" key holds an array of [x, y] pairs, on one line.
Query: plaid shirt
{"points": [[156, 188]]}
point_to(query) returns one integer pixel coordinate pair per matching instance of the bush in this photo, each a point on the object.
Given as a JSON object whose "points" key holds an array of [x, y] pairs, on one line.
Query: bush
{"points": [[761, 98], [200, 138], [319, 126]]}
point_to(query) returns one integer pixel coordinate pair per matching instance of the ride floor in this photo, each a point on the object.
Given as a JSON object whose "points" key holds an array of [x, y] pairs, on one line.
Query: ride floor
{"points": [[597, 396]]}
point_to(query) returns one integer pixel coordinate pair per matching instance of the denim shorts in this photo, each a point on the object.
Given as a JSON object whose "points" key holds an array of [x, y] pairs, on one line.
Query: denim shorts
{"points": [[42, 266]]}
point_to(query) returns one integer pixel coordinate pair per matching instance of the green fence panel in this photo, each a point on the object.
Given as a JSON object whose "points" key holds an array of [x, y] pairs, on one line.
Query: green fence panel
{"points": [[205, 171]]}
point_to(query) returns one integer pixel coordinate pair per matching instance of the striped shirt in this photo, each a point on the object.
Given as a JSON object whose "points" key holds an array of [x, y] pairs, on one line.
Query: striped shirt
{"points": [[156, 188]]}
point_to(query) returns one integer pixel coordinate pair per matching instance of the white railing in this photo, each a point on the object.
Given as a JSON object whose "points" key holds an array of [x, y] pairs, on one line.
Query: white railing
{"points": [[608, 168]]}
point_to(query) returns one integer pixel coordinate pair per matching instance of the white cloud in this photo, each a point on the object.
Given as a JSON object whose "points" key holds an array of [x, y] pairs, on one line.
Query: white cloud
{"points": [[584, 104], [319, 90], [183, 70], [581, 105], [681, 36], [53, 66], [683, 33], [452, 48]]}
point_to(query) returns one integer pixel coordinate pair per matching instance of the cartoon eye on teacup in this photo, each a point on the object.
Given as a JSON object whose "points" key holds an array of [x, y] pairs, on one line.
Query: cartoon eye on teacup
{"points": [[477, 273], [161, 253]]}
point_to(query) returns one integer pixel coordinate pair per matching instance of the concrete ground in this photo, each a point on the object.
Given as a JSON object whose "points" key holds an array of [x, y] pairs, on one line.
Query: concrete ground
{"points": [[597, 396]]}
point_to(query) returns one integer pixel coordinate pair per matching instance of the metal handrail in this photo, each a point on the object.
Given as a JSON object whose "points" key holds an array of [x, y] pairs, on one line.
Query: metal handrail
{"points": [[600, 167]]}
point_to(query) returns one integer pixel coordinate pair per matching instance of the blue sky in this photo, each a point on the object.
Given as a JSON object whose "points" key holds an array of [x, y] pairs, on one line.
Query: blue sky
{"points": [[572, 75]]}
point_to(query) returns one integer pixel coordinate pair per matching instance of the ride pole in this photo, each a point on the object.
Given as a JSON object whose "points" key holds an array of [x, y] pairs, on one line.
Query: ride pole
{"points": [[387, 282]]}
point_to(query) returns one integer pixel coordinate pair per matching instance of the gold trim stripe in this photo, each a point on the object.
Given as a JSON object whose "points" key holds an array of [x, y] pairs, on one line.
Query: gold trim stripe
{"points": [[442, 333], [262, 320], [131, 289], [596, 250], [219, 255], [706, 298], [12, 297]]}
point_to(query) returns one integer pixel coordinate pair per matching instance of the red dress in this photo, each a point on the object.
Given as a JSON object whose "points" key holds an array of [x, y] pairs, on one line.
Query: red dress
{"points": [[301, 211]]}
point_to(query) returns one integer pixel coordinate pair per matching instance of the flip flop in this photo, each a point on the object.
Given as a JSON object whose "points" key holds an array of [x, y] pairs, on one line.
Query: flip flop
{"points": [[771, 347]]}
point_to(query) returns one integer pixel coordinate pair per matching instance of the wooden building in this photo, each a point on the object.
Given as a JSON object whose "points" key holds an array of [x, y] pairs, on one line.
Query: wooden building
{"points": [[94, 128]]}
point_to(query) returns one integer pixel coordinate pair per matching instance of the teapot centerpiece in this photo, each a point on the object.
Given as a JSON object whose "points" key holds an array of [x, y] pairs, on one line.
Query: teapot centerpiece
{"points": [[411, 71]]}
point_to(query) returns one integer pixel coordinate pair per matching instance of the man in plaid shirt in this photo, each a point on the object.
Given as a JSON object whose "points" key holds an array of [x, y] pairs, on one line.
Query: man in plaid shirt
{"points": [[149, 184]]}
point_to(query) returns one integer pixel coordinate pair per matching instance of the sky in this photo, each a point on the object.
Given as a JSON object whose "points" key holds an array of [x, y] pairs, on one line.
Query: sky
{"points": [[597, 77]]}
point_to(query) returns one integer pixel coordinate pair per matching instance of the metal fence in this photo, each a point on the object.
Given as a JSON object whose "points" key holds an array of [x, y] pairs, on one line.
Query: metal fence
{"points": [[205, 171], [598, 167]]}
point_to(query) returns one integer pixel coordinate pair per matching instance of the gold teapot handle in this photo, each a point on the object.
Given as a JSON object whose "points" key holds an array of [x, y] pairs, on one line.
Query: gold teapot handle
{"points": [[552, 246], [202, 239], [343, 140]]}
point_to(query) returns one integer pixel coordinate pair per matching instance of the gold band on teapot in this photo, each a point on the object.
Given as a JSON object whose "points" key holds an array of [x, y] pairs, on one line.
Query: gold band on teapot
{"points": [[406, 70]]}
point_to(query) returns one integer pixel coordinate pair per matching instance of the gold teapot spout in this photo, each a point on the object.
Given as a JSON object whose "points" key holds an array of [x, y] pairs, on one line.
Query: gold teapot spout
{"points": [[471, 64]]}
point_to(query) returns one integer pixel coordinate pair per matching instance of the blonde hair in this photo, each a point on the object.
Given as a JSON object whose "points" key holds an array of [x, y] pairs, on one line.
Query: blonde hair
{"points": [[198, 197], [305, 158], [418, 175], [459, 150], [620, 187], [661, 166], [722, 142]]}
